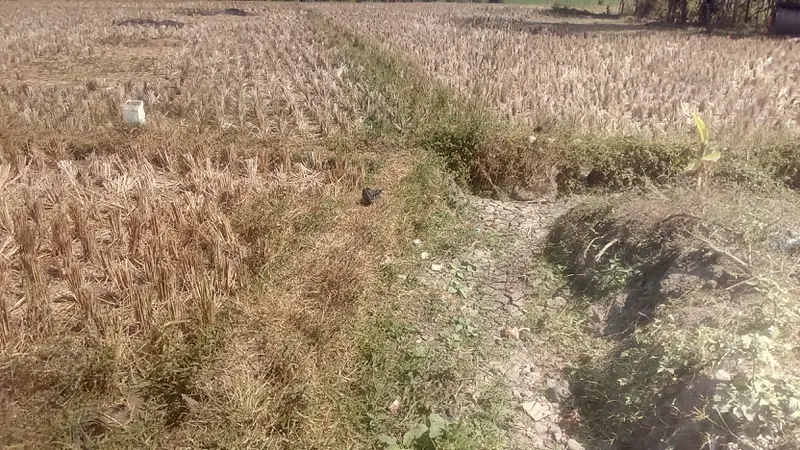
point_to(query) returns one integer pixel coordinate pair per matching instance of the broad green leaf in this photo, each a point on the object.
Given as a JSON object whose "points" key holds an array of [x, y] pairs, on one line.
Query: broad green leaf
{"points": [[437, 425], [712, 156], [702, 129], [414, 433], [386, 439], [694, 165]]}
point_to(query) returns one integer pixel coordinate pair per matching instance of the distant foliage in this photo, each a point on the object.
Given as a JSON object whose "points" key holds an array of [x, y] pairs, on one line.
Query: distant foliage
{"points": [[729, 13]]}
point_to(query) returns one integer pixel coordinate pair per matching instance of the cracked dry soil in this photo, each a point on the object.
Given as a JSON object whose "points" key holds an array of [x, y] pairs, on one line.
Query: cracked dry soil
{"points": [[500, 294]]}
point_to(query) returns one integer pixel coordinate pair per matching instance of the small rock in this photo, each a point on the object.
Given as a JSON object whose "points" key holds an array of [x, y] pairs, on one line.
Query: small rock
{"points": [[555, 432], [541, 428], [515, 295], [526, 394], [437, 267], [537, 410], [417, 242], [395, 406], [511, 333], [572, 444], [424, 255], [557, 302], [557, 391], [791, 241], [536, 442], [722, 375], [402, 277]]}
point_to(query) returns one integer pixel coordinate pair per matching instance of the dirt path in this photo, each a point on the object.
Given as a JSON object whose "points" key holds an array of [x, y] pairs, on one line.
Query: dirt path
{"points": [[499, 295]]}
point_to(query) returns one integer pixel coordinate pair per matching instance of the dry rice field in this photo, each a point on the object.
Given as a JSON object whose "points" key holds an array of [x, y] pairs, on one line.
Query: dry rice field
{"points": [[616, 77], [206, 281]]}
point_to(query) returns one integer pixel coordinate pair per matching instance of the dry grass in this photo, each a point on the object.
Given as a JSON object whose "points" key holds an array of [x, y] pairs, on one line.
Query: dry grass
{"points": [[199, 281], [264, 75], [610, 78]]}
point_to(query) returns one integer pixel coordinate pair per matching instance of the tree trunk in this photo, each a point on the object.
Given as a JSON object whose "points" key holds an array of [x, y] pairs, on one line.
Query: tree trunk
{"points": [[685, 11]]}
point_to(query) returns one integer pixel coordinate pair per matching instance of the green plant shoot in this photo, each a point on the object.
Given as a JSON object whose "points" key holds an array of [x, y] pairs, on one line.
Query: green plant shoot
{"points": [[704, 157]]}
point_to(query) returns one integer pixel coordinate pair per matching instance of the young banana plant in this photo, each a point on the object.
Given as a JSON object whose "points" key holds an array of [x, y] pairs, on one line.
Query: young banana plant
{"points": [[704, 157]]}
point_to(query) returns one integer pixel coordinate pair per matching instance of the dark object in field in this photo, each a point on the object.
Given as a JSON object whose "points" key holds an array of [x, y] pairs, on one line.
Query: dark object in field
{"points": [[216, 12], [151, 22], [370, 196]]}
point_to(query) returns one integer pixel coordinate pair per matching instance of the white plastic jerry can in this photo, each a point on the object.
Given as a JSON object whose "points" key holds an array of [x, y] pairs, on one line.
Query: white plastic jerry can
{"points": [[133, 112]]}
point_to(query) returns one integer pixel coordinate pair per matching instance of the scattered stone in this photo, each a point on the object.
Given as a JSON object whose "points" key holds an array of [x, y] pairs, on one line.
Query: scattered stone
{"points": [[437, 267], [537, 410], [395, 406], [557, 391], [423, 255], [572, 444], [527, 394], [555, 432], [541, 428], [537, 442], [557, 303], [515, 295], [510, 333], [722, 375], [791, 241], [417, 242]]}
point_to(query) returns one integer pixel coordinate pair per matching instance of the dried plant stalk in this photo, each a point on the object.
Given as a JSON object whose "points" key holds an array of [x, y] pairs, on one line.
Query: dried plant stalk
{"points": [[83, 231], [83, 295], [205, 299], [5, 314]]}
